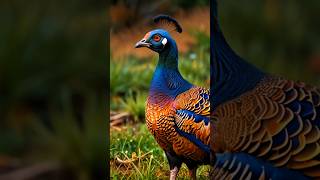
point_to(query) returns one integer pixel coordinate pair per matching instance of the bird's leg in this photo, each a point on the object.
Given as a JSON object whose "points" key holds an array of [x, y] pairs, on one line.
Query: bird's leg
{"points": [[175, 164], [193, 173], [174, 173], [192, 166], [212, 158]]}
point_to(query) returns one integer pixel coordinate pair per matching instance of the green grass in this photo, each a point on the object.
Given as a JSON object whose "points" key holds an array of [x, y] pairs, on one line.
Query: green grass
{"points": [[135, 140], [130, 74]]}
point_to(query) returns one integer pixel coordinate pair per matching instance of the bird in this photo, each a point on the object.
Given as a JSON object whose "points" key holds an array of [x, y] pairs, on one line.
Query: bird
{"points": [[263, 126], [177, 112]]}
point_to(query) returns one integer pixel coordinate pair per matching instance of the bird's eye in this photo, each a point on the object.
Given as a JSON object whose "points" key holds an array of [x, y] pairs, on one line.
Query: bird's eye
{"points": [[156, 38]]}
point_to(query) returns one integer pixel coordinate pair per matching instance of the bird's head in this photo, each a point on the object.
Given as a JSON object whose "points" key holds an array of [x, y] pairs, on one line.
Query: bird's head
{"points": [[159, 39], [156, 40]]}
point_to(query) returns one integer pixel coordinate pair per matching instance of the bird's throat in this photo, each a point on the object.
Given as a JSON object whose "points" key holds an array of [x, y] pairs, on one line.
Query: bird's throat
{"points": [[167, 79]]}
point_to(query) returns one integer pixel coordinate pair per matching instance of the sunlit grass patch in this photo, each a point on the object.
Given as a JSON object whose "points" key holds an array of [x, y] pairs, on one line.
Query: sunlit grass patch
{"points": [[130, 74], [134, 154]]}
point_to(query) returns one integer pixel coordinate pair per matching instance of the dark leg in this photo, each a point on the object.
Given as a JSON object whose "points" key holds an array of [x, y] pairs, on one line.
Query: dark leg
{"points": [[175, 164], [212, 158], [193, 173], [192, 166]]}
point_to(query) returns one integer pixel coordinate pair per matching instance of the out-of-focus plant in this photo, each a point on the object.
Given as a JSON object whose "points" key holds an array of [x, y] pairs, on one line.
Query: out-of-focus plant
{"points": [[134, 103], [44, 51], [277, 36], [195, 66], [77, 144], [130, 74]]}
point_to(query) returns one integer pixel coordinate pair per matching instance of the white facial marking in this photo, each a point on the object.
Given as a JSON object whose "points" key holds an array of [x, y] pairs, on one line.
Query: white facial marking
{"points": [[164, 41]]}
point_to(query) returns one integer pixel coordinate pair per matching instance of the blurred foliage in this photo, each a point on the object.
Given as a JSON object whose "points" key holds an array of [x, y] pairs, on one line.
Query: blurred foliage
{"points": [[190, 4], [135, 104], [174, 3], [78, 147], [130, 74], [125, 13], [53, 63], [45, 52], [195, 65], [280, 37]]}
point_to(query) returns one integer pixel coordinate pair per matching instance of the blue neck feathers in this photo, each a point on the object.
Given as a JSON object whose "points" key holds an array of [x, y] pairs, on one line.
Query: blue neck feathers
{"points": [[230, 75], [167, 78]]}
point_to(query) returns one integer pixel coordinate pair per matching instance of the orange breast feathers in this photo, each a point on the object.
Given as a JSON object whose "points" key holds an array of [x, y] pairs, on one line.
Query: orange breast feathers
{"points": [[159, 109]]}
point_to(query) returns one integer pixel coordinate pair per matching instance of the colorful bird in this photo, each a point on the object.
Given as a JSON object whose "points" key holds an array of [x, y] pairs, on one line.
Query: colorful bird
{"points": [[177, 112], [263, 126]]}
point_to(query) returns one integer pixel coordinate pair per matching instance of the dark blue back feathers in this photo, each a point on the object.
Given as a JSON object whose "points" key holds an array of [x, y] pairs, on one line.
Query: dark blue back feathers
{"points": [[231, 76]]}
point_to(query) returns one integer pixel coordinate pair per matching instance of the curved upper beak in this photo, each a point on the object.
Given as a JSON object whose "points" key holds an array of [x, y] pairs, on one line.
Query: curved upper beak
{"points": [[142, 43]]}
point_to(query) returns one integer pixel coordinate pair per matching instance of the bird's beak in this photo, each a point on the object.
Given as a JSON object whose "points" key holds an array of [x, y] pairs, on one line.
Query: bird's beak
{"points": [[142, 43]]}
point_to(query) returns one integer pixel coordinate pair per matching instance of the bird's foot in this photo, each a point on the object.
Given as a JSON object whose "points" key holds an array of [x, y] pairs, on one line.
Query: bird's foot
{"points": [[174, 173]]}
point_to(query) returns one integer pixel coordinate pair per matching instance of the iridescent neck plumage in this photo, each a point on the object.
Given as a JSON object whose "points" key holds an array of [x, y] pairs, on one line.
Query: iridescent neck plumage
{"points": [[167, 79], [168, 57]]}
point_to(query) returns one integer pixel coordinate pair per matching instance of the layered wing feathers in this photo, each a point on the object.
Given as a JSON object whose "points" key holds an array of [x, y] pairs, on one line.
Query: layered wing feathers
{"points": [[192, 117], [278, 121], [242, 166]]}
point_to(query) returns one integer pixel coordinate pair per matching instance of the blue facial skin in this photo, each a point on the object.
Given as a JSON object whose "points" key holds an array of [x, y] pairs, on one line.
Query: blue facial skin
{"points": [[165, 46], [156, 46]]}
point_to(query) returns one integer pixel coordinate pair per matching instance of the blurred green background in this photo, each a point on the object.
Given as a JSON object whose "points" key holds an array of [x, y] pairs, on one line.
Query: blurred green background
{"points": [[279, 37], [53, 79]]}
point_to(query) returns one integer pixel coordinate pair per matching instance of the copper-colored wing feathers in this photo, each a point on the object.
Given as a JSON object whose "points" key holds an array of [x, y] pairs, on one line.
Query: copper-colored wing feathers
{"points": [[192, 116], [278, 121]]}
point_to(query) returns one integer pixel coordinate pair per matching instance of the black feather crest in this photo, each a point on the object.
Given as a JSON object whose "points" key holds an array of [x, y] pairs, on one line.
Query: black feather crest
{"points": [[167, 20]]}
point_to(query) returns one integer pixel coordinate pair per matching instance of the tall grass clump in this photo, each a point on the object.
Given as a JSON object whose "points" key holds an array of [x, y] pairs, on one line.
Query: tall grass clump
{"points": [[129, 74], [134, 103]]}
